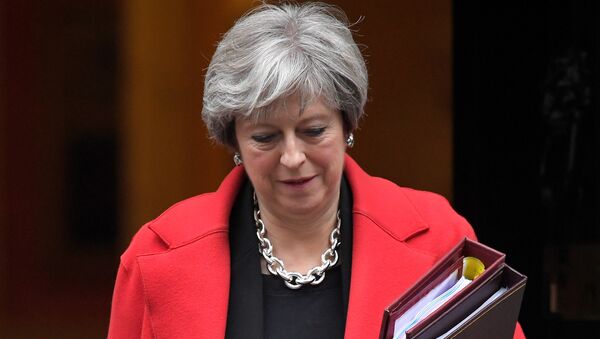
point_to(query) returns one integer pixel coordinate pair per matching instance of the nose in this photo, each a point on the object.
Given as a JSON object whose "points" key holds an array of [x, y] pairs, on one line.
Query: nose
{"points": [[292, 155]]}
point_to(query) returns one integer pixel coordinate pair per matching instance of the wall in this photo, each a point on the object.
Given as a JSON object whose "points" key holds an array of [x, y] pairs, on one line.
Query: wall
{"points": [[129, 75]]}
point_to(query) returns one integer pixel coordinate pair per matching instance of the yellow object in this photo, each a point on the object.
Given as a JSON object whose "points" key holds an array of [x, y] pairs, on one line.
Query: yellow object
{"points": [[472, 267]]}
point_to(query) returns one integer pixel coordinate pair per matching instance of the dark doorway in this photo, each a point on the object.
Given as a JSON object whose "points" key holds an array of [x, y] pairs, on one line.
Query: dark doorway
{"points": [[527, 151]]}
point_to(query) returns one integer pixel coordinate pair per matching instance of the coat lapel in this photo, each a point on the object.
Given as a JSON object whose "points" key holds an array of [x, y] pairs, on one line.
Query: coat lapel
{"points": [[187, 289], [382, 269]]}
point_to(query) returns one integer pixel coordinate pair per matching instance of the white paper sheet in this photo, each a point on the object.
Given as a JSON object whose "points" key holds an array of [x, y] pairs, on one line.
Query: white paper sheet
{"points": [[429, 303]]}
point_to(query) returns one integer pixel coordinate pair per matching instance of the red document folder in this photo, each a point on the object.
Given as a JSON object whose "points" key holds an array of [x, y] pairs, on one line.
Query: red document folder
{"points": [[497, 319]]}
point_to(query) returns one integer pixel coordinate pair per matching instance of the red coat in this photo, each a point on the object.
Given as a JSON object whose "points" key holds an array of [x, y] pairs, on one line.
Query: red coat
{"points": [[173, 281]]}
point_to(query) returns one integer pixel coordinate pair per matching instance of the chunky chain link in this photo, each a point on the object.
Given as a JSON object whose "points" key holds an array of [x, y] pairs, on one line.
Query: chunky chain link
{"points": [[295, 280]]}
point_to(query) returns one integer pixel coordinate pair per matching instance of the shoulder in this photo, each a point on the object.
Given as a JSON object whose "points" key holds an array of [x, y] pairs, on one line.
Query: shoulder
{"points": [[437, 211], [187, 221], [432, 208], [422, 220], [423, 201], [444, 227], [184, 222]]}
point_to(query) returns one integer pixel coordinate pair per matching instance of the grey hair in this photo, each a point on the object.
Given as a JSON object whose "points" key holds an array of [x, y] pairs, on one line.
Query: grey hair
{"points": [[275, 51]]}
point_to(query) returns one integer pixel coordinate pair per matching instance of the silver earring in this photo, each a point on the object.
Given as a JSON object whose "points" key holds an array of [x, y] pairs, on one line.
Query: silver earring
{"points": [[237, 159], [350, 140]]}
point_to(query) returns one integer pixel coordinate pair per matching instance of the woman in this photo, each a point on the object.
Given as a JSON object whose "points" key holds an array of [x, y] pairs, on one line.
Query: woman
{"points": [[284, 91]]}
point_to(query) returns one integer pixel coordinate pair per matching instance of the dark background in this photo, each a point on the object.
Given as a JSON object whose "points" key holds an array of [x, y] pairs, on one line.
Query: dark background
{"points": [[527, 151]]}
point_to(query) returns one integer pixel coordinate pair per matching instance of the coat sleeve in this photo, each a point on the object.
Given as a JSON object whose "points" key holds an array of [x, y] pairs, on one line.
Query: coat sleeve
{"points": [[129, 316], [519, 332]]}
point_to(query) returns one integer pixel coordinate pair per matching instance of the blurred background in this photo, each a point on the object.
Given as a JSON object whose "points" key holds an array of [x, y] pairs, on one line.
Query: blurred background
{"points": [[494, 106]]}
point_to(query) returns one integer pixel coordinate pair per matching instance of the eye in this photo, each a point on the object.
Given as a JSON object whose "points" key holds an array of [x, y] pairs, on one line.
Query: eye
{"points": [[263, 138], [314, 132]]}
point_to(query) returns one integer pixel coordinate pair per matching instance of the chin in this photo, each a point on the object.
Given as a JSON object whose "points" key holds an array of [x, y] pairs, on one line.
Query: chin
{"points": [[303, 207], [299, 208]]}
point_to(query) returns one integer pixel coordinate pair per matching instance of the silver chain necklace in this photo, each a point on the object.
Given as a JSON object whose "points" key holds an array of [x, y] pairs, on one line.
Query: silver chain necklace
{"points": [[295, 280]]}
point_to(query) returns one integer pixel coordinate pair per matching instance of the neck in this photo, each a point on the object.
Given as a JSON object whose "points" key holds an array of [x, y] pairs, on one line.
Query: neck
{"points": [[300, 240]]}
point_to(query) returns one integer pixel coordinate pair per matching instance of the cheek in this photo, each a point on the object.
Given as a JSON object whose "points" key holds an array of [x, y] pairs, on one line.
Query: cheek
{"points": [[259, 165], [335, 147], [331, 158]]}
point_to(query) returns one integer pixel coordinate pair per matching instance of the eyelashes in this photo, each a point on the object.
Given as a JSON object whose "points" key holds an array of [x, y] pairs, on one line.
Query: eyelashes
{"points": [[314, 132], [263, 138], [309, 132]]}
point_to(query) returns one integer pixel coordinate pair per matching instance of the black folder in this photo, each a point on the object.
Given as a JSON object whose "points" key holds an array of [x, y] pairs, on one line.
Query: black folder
{"points": [[497, 319]]}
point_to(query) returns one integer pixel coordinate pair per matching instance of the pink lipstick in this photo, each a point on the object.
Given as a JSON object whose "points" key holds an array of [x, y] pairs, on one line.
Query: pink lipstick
{"points": [[298, 182]]}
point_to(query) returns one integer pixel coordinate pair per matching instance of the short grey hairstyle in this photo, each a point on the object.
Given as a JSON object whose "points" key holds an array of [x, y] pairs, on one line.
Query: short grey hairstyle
{"points": [[275, 51]]}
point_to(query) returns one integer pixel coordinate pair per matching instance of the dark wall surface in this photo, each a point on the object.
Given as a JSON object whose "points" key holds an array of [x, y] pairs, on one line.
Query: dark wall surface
{"points": [[527, 147]]}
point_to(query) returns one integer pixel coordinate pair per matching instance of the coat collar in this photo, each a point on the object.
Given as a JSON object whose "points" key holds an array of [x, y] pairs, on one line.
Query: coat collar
{"points": [[198, 216], [384, 212], [367, 193]]}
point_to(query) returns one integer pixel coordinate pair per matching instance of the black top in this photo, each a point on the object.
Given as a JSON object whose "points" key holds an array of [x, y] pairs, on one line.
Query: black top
{"points": [[260, 306]]}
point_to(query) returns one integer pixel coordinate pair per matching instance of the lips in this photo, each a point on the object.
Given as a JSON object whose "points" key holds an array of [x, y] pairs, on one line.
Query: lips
{"points": [[298, 181]]}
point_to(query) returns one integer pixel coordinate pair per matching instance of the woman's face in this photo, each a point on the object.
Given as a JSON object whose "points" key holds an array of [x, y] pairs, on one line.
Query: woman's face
{"points": [[294, 159]]}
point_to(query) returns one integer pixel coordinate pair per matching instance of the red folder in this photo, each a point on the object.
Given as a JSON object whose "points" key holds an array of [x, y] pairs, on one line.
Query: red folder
{"points": [[497, 319]]}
